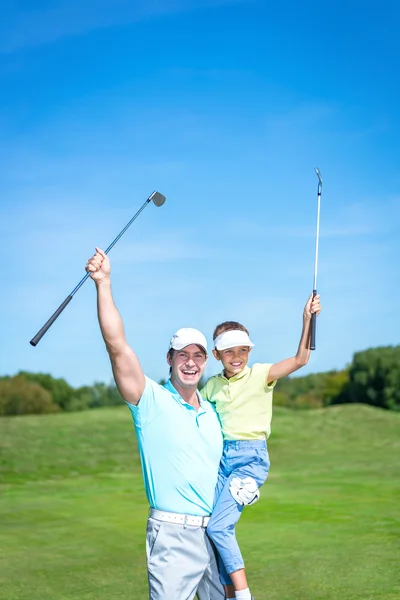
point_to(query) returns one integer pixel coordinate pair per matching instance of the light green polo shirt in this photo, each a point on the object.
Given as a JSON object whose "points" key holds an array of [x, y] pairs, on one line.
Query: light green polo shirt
{"points": [[243, 403]]}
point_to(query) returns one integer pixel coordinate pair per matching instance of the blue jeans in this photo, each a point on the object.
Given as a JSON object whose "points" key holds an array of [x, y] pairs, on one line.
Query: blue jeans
{"points": [[240, 458]]}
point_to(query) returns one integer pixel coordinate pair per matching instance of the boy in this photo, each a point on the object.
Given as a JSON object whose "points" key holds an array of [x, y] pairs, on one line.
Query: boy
{"points": [[243, 399]]}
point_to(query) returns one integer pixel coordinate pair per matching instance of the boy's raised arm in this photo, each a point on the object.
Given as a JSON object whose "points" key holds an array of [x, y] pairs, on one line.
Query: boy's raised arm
{"points": [[290, 365], [126, 368]]}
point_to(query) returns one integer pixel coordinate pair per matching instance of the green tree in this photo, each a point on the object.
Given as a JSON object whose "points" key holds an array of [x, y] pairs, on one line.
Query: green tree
{"points": [[322, 389], [282, 399], [19, 396], [61, 392], [311, 399], [95, 396], [374, 377]]}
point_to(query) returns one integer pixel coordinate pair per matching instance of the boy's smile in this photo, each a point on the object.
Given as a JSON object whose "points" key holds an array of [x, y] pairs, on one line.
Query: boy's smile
{"points": [[234, 359]]}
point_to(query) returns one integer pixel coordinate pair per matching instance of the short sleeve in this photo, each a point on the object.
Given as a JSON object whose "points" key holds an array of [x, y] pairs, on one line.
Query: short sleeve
{"points": [[150, 404], [206, 391], [268, 386]]}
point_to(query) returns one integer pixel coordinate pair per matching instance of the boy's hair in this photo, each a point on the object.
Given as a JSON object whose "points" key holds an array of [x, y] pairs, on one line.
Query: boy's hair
{"points": [[228, 326]]}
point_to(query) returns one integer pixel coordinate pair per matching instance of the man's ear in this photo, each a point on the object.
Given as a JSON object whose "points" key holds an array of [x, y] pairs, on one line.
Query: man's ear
{"points": [[169, 361], [216, 354], [250, 349]]}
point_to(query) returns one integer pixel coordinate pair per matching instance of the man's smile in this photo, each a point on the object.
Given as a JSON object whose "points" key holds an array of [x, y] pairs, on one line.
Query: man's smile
{"points": [[189, 371]]}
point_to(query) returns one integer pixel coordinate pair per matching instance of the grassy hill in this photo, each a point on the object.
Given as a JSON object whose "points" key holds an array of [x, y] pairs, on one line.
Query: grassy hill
{"points": [[73, 510]]}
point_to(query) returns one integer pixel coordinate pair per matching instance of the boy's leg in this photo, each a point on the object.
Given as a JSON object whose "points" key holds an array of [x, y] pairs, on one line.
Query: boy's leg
{"points": [[223, 475], [221, 530], [177, 558], [227, 511]]}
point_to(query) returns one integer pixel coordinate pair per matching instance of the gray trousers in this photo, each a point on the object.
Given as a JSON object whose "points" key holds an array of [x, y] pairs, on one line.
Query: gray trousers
{"points": [[181, 563]]}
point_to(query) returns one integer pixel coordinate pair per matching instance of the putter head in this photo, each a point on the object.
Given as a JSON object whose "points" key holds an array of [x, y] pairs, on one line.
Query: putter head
{"points": [[318, 175], [157, 198]]}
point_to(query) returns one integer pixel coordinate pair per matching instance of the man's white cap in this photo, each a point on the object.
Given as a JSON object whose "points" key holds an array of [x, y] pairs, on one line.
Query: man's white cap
{"points": [[187, 336], [230, 339]]}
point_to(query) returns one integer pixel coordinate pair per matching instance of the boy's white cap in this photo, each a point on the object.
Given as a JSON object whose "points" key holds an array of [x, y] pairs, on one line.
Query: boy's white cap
{"points": [[186, 336], [230, 339]]}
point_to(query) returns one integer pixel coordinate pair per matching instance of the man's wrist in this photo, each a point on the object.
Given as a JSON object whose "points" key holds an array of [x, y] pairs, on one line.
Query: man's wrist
{"points": [[103, 283]]}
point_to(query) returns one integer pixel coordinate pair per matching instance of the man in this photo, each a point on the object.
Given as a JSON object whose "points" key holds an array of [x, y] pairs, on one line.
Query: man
{"points": [[180, 445]]}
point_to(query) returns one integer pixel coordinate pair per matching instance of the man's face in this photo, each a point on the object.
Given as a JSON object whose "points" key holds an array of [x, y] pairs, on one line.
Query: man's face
{"points": [[234, 359], [187, 366]]}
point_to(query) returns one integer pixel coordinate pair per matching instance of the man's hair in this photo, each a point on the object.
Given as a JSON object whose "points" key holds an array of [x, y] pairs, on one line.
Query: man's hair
{"points": [[228, 326], [170, 354]]}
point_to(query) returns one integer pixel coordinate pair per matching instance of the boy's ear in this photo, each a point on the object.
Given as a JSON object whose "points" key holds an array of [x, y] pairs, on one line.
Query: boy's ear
{"points": [[216, 354]]}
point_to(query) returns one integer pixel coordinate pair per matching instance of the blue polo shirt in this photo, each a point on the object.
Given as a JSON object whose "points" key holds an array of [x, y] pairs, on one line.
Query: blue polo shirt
{"points": [[180, 449]]}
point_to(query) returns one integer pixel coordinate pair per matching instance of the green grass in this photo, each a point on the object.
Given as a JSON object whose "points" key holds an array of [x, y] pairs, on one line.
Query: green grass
{"points": [[73, 510]]}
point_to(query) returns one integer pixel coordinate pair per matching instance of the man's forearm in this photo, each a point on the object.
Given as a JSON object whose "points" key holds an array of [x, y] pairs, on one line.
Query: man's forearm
{"points": [[110, 321]]}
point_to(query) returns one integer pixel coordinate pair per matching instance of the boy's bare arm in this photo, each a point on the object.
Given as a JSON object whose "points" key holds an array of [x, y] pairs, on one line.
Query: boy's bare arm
{"points": [[126, 368], [290, 365]]}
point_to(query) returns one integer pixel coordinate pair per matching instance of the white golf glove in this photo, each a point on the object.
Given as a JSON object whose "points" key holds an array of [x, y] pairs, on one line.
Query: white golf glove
{"points": [[244, 491]]}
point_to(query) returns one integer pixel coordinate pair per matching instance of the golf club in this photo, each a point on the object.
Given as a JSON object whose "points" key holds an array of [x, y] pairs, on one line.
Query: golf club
{"points": [[314, 316], [158, 199]]}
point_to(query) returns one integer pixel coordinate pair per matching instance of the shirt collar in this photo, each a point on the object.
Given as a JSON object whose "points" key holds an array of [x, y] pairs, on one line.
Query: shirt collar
{"points": [[238, 376], [168, 386]]}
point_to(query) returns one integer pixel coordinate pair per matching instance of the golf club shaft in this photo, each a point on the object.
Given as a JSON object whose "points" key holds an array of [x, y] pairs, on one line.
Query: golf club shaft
{"points": [[36, 339], [314, 316]]}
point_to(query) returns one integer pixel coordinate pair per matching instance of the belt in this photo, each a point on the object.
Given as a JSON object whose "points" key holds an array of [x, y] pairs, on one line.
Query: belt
{"points": [[169, 517]]}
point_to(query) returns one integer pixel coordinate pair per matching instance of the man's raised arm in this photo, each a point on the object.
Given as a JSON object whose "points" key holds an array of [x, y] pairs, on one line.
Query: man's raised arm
{"points": [[126, 368]]}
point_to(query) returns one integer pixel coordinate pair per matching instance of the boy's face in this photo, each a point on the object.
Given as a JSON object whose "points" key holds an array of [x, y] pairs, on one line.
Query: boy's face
{"points": [[234, 359]]}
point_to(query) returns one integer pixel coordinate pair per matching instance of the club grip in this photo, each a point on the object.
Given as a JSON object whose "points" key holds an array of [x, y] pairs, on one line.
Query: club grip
{"points": [[313, 326], [36, 339]]}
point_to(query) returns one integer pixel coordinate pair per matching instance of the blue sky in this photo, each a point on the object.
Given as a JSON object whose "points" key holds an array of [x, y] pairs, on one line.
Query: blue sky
{"points": [[226, 106]]}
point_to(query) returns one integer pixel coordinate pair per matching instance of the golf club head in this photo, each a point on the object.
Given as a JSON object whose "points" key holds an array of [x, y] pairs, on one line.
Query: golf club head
{"points": [[158, 198], [318, 175]]}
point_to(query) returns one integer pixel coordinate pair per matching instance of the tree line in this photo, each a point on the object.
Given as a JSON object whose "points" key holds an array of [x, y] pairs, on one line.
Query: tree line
{"points": [[373, 377], [39, 393]]}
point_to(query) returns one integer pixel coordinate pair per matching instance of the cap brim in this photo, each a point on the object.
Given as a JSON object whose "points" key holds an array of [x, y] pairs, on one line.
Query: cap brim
{"points": [[181, 347]]}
